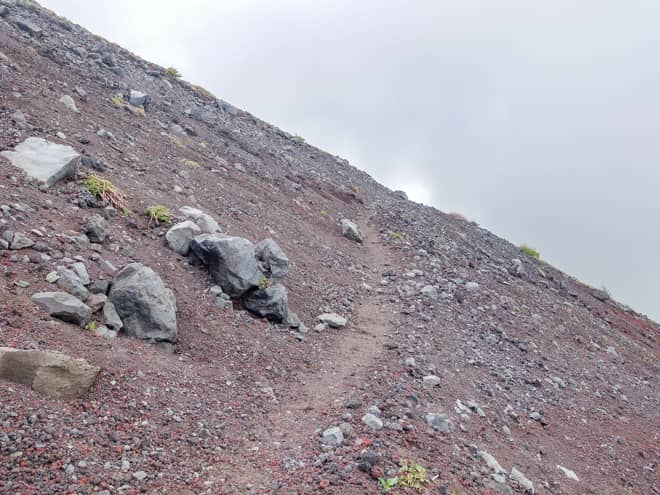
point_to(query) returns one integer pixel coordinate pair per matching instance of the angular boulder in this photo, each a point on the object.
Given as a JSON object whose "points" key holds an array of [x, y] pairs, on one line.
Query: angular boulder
{"points": [[272, 259], [351, 231], [203, 220], [96, 228], [52, 374], [43, 160], [270, 303], [145, 306], [64, 307], [230, 261], [70, 282], [179, 236], [137, 98]]}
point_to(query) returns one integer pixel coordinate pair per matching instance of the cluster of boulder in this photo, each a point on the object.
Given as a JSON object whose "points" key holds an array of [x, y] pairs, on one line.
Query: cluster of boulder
{"points": [[135, 302], [242, 270]]}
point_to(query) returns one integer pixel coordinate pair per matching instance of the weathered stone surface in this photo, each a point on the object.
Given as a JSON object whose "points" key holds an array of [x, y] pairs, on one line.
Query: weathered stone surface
{"points": [[44, 160], [204, 221], [63, 306], [270, 303], [333, 320], [111, 318], [351, 231], [70, 282], [230, 260], [20, 241], [52, 374], [272, 259], [178, 238], [96, 228], [146, 307], [67, 102], [137, 98]]}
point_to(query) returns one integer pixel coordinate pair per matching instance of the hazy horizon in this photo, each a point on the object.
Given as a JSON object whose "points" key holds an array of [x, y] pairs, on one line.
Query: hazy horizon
{"points": [[538, 121]]}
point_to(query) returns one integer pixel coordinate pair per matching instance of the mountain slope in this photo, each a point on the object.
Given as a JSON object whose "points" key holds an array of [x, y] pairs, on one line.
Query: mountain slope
{"points": [[530, 367]]}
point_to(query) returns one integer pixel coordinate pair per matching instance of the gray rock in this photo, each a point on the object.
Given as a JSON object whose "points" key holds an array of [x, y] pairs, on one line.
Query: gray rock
{"points": [[70, 282], [52, 374], [81, 270], [96, 228], [431, 381], [522, 481], [517, 269], [4, 11], [351, 231], [429, 291], [272, 259], [372, 421], [137, 98], [99, 287], [67, 102], [472, 287], [110, 317], [96, 301], [146, 307], [569, 474], [270, 303], [20, 241], [203, 220], [401, 194], [439, 422], [230, 261], [333, 320], [43, 160], [105, 332], [52, 277], [179, 236], [29, 27], [64, 307], [333, 436]]}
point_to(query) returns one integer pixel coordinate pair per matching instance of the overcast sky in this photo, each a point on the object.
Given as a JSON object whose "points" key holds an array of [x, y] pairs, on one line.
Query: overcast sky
{"points": [[539, 120]]}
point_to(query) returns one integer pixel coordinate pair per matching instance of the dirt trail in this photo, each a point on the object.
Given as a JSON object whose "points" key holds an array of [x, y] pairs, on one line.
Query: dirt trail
{"points": [[303, 408]]}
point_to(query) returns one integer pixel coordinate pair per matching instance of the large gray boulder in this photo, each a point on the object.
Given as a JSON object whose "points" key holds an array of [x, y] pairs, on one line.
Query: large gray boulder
{"points": [[270, 303], [271, 258], [96, 228], [52, 374], [179, 236], [351, 231], [64, 307], [230, 261], [43, 160], [146, 307]]}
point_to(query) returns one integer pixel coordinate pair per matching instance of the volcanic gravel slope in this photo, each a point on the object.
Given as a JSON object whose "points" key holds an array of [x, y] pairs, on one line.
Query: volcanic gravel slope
{"points": [[531, 368]]}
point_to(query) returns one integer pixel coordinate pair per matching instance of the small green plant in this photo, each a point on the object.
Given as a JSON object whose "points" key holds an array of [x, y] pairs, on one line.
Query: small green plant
{"points": [[412, 475], [173, 72], [298, 139], [265, 282], [91, 326], [117, 101], [530, 251], [158, 214], [106, 191], [324, 213], [387, 483], [188, 162], [395, 235]]}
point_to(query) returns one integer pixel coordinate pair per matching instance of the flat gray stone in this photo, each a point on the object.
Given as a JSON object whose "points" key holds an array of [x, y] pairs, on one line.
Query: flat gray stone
{"points": [[43, 160], [178, 238], [333, 320], [64, 307]]}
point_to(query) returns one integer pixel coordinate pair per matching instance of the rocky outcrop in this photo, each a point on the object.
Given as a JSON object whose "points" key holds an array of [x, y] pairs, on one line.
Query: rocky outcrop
{"points": [[64, 307], [230, 261], [145, 306], [270, 303], [43, 160], [52, 374]]}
